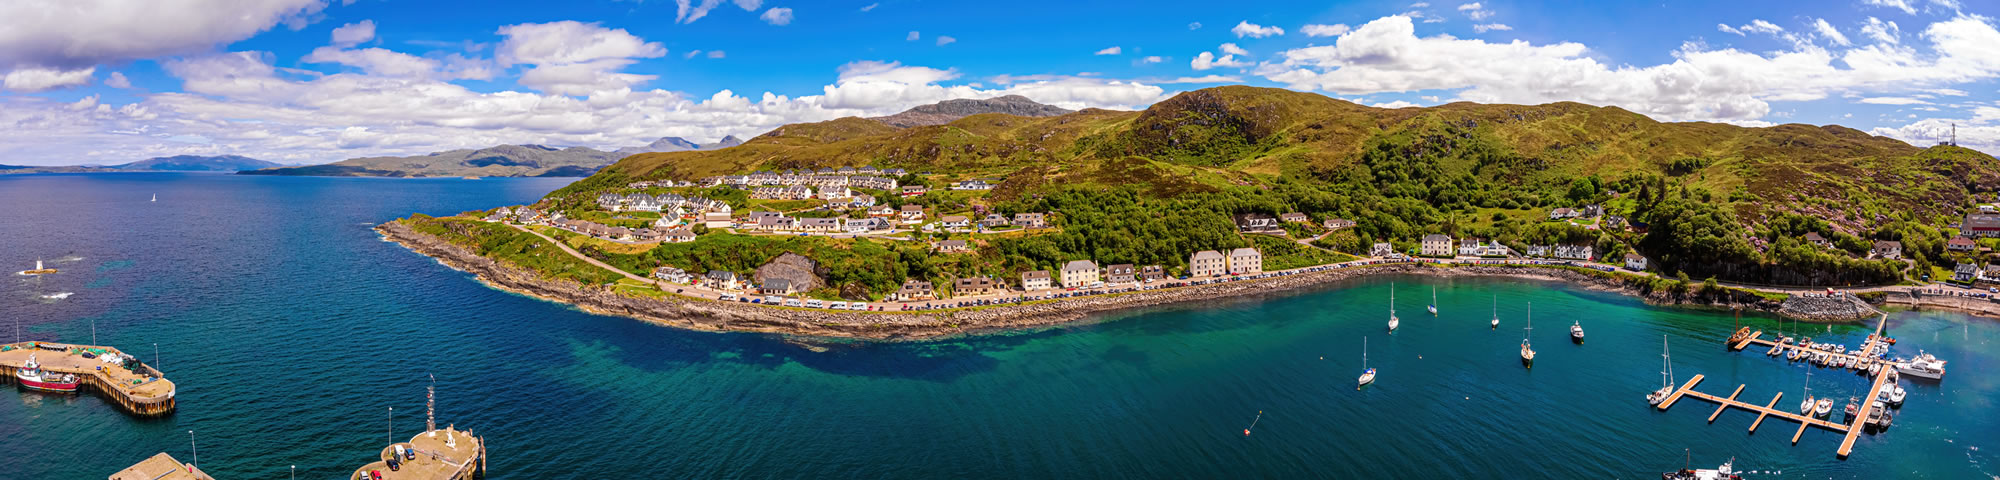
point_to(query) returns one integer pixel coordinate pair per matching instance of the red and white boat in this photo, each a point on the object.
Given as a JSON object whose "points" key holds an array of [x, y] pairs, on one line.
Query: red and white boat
{"points": [[33, 377]]}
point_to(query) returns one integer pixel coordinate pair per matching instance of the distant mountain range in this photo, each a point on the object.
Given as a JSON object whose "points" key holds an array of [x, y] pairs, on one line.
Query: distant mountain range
{"points": [[177, 163], [498, 161], [946, 111]]}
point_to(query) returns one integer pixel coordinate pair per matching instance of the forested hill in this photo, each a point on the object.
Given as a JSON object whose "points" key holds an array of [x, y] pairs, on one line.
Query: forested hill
{"points": [[1720, 199]]}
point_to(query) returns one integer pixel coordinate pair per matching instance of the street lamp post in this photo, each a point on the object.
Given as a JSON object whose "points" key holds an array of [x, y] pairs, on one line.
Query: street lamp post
{"points": [[392, 425], [191, 448]]}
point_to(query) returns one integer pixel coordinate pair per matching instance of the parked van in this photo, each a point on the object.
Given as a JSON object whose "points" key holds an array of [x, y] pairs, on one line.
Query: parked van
{"points": [[791, 302], [837, 305], [814, 303]]}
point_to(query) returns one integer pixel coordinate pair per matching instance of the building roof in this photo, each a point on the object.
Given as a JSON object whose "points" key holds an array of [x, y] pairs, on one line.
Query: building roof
{"points": [[1634, 256], [1079, 265], [1960, 241], [1436, 238], [1035, 275], [1120, 268], [954, 218], [1888, 244], [1814, 237], [1244, 251], [1205, 255], [913, 208]]}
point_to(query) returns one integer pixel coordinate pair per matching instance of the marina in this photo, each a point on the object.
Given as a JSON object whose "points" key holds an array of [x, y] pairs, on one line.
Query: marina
{"points": [[1867, 414], [122, 380]]}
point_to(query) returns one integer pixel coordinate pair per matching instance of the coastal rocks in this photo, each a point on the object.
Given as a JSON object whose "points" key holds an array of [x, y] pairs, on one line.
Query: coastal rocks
{"points": [[1825, 308], [801, 274]]}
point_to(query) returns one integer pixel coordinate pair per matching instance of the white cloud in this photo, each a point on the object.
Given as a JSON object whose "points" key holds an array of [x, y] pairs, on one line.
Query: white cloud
{"points": [[1728, 85], [1318, 30], [573, 58], [1114, 50], [377, 61], [1398, 103], [1252, 30], [913, 36], [118, 80], [1728, 29], [870, 6], [716, 54], [1827, 31], [691, 54], [1979, 133], [1420, 5], [1152, 59], [777, 16], [69, 35], [1202, 79], [1893, 101], [354, 33], [688, 11], [1232, 49], [1903, 5], [1882, 31], [945, 40], [1488, 27], [1475, 11], [1208, 60], [1194, 25], [41, 79], [1761, 26]]}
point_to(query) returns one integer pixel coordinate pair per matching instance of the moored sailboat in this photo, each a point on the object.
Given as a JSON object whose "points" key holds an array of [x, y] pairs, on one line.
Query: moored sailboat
{"points": [[1393, 322], [1367, 374], [1666, 376], [1528, 351]]}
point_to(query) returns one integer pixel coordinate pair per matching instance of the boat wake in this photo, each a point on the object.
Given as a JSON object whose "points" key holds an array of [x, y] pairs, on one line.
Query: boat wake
{"points": [[57, 296]]}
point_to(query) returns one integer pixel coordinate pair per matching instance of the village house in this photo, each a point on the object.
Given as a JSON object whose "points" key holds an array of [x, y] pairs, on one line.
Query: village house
{"points": [[1470, 247], [1980, 225], [1207, 263], [716, 220], [881, 211], [836, 192], [678, 235], [1435, 245], [953, 246], [973, 184], [819, 225], [1121, 273], [1258, 223], [1991, 274], [994, 220], [1079, 273], [1381, 250], [1562, 213], [1035, 280], [915, 190], [1887, 249], [1816, 240], [1592, 211], [955, 221], [971, 286], [859, 226], [912, 214], [1152, 273], [1965, 272], [844, 170], [1635, 262], [1246, 261], [1294, 217], [1961, 244], [778, 286], [877, 183], [774, 224], [672, 275], [1538, 250], [1573, 252], [1030, 220], [914, 289], [1338, 223], [721, 279]]}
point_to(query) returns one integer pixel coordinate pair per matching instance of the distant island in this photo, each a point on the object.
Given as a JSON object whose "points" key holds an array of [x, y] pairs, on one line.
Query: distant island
{"points": [[177, 163], [497, 161], [990, 219]]}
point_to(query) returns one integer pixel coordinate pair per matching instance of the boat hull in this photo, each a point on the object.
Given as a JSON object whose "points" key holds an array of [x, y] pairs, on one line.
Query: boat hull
{"points": [[36, 384], [1919, 373]]}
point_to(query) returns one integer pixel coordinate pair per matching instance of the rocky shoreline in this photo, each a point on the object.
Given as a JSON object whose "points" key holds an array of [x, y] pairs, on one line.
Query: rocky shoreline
{"points": [[708, 315]]}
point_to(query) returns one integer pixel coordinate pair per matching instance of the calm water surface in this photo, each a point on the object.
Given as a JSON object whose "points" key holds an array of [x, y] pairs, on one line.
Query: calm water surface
{"points": [[293, 330]]}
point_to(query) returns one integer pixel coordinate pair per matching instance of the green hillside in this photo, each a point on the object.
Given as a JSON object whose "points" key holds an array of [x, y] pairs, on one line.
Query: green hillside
{"points": [[1723, 200]]}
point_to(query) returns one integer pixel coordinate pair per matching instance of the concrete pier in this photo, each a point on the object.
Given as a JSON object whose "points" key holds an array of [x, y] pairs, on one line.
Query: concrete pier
{"points": [[161, 467], [442, 454], [142, 391]]}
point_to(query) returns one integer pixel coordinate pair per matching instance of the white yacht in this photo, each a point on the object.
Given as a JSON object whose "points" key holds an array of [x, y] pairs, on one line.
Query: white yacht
{"points": [[1496, 311], [1576, 332], [1367, 374], [1823, 407], [1924, 366], [1527, 351], [1806, 407], [1894, 394], [1666, 376], [1393, 322]]}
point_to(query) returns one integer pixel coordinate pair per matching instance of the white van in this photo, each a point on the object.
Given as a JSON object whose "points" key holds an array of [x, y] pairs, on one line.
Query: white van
{"points": [[791, 302], [837, 305], [814, 303]]}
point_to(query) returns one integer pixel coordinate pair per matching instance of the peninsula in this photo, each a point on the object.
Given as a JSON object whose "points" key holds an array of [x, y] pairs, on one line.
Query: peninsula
{"points": [[856, 227]]}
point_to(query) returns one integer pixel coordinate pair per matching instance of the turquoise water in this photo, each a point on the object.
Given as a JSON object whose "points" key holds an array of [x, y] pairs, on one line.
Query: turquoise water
{"points": [[292, 329]]}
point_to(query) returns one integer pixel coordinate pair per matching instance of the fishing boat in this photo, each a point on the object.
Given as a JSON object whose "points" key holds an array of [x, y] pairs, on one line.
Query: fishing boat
{"points": [[1496, 311], [39, 270], [1853, 409], [1367, 374], [1725, 472], [1875, 411], [1666, 376], [34, 377], [1924, 366], [1576, 332], [1434, 302], [1393, 322], [1527, 351]]}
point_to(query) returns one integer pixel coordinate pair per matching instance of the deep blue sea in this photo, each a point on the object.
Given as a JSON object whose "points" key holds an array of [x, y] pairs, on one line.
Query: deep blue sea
{"points": [[293, 329]]}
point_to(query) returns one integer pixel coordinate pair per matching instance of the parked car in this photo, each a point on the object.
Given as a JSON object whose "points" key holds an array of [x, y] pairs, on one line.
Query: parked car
{"points": [[375, 474], [727, 297]]}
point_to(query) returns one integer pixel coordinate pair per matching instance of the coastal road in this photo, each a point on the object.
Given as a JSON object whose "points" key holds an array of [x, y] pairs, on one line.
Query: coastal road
{"points": [[581, 256]]}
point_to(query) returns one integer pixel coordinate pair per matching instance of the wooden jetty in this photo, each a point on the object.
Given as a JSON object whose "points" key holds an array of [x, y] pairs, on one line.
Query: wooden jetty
{"points": [[138, 389], [1850, 430]]}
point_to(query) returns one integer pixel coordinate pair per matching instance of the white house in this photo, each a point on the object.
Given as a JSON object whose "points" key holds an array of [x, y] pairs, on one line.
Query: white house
{"points": [[1246, 261], [1635, 262], [1079, 273], [1207, 263]]}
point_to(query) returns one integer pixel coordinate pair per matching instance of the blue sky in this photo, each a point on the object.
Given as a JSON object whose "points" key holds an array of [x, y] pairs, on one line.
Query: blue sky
{"points": [[310, 81]]}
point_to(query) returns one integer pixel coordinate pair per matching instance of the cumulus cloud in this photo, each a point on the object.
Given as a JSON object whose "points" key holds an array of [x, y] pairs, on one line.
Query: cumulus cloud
{"points": [[575, 58], [777, 16], [1318, 30], [1398, 103], [1252, 30], [1978, 133], [354, 33], [913, 36], [42, 79], [68, 36], [1202, 79], [1194, 25], [1111, 51], [118, 80], [1232, 49], [688, 11], [1882, 31], [1487, 27], [1153, 59], [1831, 34], [1207, 60], [1730, 85], [1893, 101], [1475, 11], [1903, 5], [945, 40]]}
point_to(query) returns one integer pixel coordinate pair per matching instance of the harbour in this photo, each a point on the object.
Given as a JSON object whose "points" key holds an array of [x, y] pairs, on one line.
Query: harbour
{"points": [[141, 391]]}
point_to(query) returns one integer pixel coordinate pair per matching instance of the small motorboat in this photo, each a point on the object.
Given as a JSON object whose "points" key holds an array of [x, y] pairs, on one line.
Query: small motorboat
{"points": [[1725, 472], [1896, 394], [1823, 407], [1576, 332], [1853, 409]]}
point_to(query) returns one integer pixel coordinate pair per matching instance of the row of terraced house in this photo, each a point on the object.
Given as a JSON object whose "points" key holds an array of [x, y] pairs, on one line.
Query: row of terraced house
{"points": [[665, 203], [829, 179]]}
